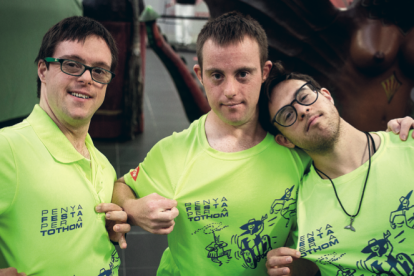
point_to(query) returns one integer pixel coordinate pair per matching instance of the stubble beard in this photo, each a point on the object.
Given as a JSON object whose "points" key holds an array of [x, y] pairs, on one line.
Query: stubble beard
{"points": [[323, 142]]}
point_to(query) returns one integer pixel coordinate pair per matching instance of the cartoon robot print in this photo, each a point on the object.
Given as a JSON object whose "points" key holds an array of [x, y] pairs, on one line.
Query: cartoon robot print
{"points": [[286, 205], [382, 261], [216, 249], [253, 245], [404, 215]]}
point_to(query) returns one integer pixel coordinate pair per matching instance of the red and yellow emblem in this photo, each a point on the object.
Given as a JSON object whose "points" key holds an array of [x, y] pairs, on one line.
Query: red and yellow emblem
{"points": [[391, 86]]}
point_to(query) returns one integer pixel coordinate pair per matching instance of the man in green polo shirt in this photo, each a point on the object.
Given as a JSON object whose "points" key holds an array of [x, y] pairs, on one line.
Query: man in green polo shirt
{"points": [[51, 175]]}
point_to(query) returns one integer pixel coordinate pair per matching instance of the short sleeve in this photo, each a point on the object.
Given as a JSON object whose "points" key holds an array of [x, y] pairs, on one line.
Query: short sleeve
{"points": [[154, 174], [8, 179]]}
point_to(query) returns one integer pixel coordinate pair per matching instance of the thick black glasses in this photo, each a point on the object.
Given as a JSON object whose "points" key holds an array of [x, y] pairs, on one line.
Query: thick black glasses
{"points": [[306, 95], [75, 68]]}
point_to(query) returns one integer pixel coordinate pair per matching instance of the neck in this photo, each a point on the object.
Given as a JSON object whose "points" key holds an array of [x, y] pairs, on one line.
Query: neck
{"points": [[75, 134], [229, 138], [348, 153]]}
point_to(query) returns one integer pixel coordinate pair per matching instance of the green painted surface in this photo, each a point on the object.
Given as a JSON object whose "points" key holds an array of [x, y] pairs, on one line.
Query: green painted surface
{"points": [[22, 26]]}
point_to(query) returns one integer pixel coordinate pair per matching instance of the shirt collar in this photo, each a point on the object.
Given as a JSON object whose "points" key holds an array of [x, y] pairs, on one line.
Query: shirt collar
{"points": [[53, 138]]}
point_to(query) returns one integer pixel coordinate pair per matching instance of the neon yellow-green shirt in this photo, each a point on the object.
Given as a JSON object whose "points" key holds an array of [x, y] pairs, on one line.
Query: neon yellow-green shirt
{"points": [[48, 194], [382, 243], [234, 207]]}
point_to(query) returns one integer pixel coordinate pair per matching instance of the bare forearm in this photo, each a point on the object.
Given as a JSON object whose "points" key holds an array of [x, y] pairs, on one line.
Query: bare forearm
{"points": [[122, 193]]}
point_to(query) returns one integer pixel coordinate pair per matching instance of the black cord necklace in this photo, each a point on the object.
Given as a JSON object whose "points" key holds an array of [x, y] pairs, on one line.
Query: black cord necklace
{"points": [[369, 137]]}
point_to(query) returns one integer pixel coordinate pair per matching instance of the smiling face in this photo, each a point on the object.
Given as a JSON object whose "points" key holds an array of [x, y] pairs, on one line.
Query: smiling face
{"points": [[232, 77], [317, 126], [69, 99]]}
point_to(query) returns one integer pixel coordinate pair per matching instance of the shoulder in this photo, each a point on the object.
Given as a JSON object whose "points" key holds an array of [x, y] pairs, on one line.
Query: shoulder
{"points": [[182, 141], [389, 139], [16, 135]]}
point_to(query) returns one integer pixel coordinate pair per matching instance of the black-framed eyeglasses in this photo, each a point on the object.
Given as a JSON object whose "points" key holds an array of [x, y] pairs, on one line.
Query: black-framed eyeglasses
{"points": [[75, 68], [306, 95]]}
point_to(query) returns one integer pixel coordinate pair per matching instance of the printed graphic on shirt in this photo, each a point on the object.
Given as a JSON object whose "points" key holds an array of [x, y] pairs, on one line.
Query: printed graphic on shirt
{"points": [[383, 261], [216, 249], [309, 243], [383, 255], [251, 240], [60, 220], [404, 215], [253, 245], [114, 263], [207, 209], [285, 206], [331, 259]]}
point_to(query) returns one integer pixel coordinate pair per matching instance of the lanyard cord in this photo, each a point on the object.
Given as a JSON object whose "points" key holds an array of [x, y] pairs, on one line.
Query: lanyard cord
{"points": [[369, 137]]}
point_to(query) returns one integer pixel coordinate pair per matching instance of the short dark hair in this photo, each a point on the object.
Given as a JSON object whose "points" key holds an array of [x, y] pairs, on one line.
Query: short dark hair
{"points": [[277, 75], [75, 28], [230, 28]]}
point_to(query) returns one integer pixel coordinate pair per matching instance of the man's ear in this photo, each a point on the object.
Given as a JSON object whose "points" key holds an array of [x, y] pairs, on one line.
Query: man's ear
{"points": [[325, 92], [199, 73], [266, 69], [41, 70], [283, 141]]}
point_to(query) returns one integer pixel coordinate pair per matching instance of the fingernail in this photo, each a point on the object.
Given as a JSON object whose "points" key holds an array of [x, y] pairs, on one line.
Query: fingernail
{"points": [[108, 215], [404, 137], [288, 259], [98, 208], [298, 254], [397, 130], [285, 270], [116, 228]]}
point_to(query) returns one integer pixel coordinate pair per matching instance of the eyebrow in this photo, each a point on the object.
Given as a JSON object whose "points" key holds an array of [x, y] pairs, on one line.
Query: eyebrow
{"points": [[94, 64], [300, 89], [249, 69]]}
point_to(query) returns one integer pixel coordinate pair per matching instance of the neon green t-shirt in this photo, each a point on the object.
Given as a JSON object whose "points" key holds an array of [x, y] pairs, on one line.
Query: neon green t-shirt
{"points": [[382, 243], [234, 207], [48, 194]]}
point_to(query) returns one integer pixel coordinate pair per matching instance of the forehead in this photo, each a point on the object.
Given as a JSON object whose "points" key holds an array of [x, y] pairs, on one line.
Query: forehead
{"points": [[284, 92], [93, 50], [238, 54]]}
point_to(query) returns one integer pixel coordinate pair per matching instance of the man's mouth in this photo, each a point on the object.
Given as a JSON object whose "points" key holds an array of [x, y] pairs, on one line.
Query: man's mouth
{"points": [[231, 104], [311, 120], [78, 95]]}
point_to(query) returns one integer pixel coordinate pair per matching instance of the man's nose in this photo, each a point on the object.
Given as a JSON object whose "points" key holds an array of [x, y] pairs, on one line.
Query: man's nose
{"points": [[86, 77], [230, 89], [302, 110]]}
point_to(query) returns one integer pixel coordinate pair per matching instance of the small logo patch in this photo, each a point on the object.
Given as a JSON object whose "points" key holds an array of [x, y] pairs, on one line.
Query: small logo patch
{"points": [[134, 173]]}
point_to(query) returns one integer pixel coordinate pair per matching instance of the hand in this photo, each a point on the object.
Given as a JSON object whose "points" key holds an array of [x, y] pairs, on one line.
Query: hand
{"points": [[11, 271], [153, 213], [279, 261], [116, 224], [401, 126]]}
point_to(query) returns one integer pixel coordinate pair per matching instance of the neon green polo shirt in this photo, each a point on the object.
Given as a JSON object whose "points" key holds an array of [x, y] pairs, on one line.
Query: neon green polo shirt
{"points": [[48, 194]]}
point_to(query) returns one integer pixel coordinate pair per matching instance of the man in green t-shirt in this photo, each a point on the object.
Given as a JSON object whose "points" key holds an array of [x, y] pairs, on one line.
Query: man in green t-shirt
{"points": [[354, 209], [55, 186], [235, 200]]}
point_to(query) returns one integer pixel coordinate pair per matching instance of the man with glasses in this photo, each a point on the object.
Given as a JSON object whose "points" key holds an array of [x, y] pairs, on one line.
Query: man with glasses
{"points": [[354, 209], [55, 186]]}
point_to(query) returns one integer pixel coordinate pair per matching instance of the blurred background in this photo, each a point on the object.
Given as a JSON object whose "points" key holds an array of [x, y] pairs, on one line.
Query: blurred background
{"points": [[361, 50]]}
